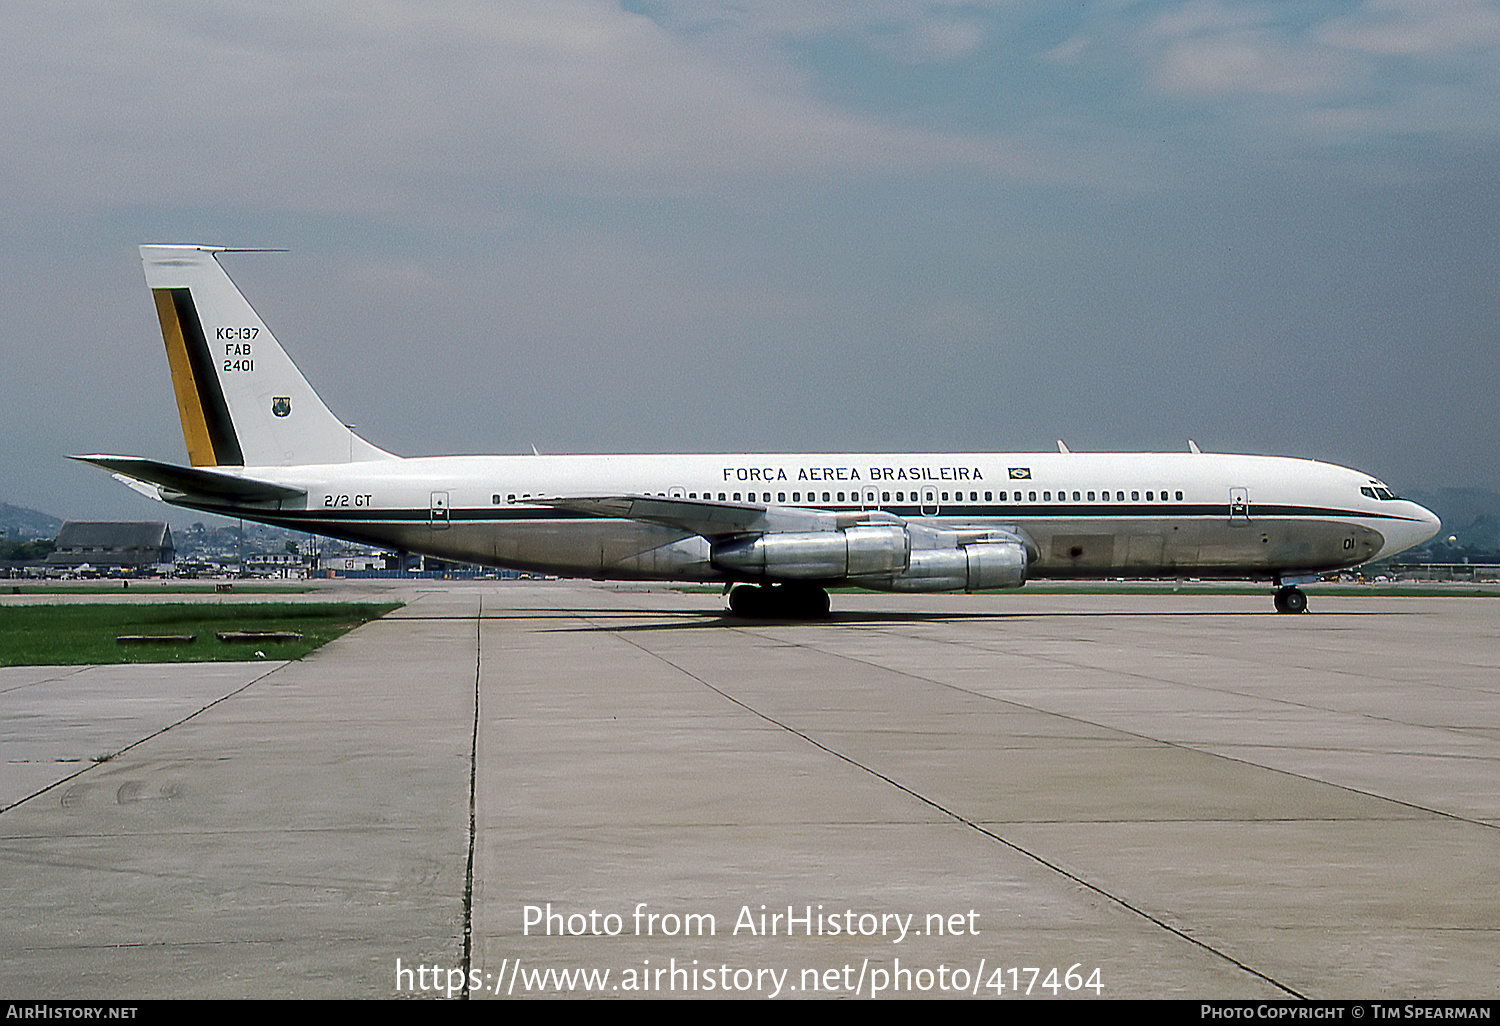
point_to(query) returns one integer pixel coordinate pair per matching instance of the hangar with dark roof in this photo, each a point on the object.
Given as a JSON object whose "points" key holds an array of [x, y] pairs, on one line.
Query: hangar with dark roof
{"points": [[136, 546]]}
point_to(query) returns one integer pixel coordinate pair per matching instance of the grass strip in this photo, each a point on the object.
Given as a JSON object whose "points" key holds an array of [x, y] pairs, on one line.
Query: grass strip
{"points": [[78, 634], [14, 587]]}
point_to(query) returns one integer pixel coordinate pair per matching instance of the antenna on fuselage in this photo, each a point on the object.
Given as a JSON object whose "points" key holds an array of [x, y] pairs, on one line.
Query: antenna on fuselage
{"points": [[1193, 447], [1062, 446]]}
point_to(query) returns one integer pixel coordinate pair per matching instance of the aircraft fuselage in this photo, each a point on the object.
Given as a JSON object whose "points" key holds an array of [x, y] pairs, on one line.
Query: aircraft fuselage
{"points": [[1081, 514]]}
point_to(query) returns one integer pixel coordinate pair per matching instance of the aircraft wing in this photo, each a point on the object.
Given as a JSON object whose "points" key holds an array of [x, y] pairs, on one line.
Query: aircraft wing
{"points": [[709, 518], [209, 484]]}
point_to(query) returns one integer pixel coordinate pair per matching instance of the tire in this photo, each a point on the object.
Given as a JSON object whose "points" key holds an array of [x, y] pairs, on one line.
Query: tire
{"points": [[1291, 600], [745, 601], [789, 602], [804, 603]]}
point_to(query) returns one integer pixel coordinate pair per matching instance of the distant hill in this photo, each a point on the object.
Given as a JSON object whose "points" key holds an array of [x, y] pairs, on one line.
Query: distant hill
{"points": [[19, 523], [1470, 514]]}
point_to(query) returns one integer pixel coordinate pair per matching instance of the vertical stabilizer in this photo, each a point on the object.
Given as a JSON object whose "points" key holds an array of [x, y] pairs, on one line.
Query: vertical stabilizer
{"points": [[241, 399]]}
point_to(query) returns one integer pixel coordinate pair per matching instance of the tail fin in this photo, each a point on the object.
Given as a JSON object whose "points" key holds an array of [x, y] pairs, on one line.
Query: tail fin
{"points": [[242, 400]]}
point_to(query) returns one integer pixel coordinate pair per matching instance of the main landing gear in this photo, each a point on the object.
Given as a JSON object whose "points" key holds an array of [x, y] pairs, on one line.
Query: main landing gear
{"points": [[1291, 600], [778, 602]]}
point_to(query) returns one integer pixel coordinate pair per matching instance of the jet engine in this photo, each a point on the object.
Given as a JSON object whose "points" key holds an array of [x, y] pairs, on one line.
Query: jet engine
{"points": [[863, 551], [973, 567]]}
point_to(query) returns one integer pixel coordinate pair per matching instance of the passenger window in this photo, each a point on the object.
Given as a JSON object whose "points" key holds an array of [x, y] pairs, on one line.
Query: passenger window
{"points": [[781, 496], [721, 496], [1119, 496], [1091, 496], [495, 500], [1148, 496], [736, 496], [841, 496], [1179, 496], [988, 499], [885, 496], [1076, 496], [1046, 496], [1033, 496], [1135, 496]]}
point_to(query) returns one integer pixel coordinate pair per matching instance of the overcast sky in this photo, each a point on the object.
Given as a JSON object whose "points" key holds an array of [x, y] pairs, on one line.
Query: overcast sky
{"points": [[693, 225]]}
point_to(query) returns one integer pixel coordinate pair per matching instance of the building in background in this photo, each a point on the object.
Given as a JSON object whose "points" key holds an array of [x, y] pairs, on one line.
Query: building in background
{"points": [[144, 547]]}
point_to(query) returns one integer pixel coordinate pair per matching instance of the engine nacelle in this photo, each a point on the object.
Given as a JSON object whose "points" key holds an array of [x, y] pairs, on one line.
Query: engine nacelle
{"points": [[979, 565], [818, 555]]}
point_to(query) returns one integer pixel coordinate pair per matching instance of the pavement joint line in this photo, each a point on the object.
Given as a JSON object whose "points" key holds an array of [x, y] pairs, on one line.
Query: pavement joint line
{"points": [[74, 671], [473, 790], [140, 741], [1179, 745], [971, 824], [1077, 665]]}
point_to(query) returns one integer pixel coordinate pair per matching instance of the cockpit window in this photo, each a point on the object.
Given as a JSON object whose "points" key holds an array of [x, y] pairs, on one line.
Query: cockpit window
{"points": [[1378, 492]]}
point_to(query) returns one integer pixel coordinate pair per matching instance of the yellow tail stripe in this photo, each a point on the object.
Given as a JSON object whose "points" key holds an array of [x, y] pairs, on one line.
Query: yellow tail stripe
{"points": [[189, 407]]}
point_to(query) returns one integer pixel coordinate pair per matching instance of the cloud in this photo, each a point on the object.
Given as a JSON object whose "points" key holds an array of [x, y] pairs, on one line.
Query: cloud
{"points": [[1242, 62], [1068, 52], [1209, 49], [1345, 89], [350, 107], [929, 40], [397, 111], [1416, 28]]}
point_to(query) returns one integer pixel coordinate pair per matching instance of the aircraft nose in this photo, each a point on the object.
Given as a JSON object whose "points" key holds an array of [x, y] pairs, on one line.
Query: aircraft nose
{"points": [[1421, 524]]}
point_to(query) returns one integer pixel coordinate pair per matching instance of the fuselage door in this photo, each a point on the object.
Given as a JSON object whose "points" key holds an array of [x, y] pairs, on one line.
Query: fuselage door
{"points": [[1239, 507], [437, 511], [929, 502]]}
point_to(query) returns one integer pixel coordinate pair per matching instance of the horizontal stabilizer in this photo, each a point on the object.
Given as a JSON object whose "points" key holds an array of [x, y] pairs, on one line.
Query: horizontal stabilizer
{"points": [[198, 481]]}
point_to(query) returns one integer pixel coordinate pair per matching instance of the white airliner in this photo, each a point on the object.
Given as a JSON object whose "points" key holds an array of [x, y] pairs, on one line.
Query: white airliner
{"points": [[783, 528]]}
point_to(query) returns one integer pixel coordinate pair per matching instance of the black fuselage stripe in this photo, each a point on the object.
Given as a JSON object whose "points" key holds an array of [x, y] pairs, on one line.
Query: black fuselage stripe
{"points": [[221, 433]]}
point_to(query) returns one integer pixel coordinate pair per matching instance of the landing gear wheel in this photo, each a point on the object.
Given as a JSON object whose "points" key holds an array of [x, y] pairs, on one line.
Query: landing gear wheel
{"points": [[803, 603], [1291, 600], [782, 601], [747, 601]]}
